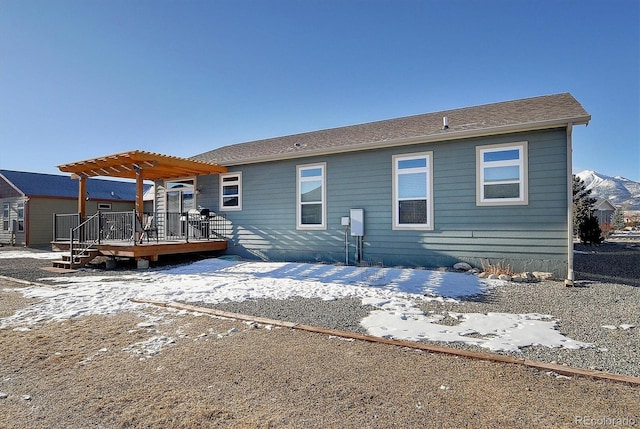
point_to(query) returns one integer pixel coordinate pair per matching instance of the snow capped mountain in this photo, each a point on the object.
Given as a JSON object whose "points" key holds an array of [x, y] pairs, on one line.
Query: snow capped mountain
{"points": [[619, 191]]}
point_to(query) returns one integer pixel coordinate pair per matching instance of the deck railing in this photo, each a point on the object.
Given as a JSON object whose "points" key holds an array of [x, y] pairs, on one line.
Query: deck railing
{"points": [[193, 226], [62, 224], [136, 228]]}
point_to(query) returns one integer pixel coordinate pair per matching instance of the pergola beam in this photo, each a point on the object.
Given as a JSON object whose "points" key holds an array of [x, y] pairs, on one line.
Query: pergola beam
{"points": [[156, 166], [138, 165]]}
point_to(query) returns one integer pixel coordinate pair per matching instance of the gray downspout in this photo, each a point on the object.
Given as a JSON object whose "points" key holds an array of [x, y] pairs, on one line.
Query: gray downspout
{"points": [[570, 276]]}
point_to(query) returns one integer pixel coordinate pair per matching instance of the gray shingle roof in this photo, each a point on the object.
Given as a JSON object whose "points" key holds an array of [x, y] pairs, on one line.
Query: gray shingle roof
{"points": [[548, 111], [53, 185]]}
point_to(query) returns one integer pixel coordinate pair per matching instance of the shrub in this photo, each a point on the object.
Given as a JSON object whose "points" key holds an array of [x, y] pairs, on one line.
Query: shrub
{"points": [[607, 229]]}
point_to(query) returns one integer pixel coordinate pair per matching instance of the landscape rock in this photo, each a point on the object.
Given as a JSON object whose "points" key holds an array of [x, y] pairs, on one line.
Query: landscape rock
{"points": [[505, 277], [462, 266], [541, 275]]}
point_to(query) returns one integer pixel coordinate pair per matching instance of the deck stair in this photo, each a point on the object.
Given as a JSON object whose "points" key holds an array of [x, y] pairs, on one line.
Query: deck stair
{"points": [[78, 260]]}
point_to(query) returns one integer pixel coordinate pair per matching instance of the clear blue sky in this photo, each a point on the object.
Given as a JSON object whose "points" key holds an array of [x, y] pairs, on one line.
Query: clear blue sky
{"points": [[84, 78]]}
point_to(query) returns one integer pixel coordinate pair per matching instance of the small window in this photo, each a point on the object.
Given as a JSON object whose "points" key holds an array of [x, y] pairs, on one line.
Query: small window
{"points": [[5, 216], [104, 206], [502, 174], [412, 191], [231, 191], [311, 190], [20, 216]]}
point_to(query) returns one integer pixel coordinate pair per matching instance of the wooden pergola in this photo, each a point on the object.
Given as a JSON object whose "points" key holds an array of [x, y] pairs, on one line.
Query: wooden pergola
{"points": [[138, 165]]}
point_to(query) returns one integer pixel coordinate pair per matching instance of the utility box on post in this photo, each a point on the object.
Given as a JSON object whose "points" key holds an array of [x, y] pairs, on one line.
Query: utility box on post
{"points": [[357, 222]]}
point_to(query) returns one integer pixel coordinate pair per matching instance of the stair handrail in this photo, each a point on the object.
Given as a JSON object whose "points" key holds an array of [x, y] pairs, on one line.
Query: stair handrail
{"points": [[78, 228]]}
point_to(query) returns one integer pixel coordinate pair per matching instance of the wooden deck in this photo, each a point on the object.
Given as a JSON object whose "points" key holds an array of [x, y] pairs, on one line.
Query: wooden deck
{"points": [[150, 251]]}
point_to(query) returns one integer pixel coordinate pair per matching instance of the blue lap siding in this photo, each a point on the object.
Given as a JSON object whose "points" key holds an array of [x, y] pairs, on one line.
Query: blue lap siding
{"points": [[531, 237]]}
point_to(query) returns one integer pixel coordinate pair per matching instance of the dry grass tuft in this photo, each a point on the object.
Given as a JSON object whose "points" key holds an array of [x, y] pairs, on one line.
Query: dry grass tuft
{"points": [[499, 268]]}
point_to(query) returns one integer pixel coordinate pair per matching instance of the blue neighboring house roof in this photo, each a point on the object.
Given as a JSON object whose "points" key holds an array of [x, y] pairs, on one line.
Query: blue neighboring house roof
{"points": [[54, 185]]}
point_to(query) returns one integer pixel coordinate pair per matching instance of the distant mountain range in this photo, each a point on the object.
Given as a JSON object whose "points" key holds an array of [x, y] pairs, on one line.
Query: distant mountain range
{"points": [[617, 190]]}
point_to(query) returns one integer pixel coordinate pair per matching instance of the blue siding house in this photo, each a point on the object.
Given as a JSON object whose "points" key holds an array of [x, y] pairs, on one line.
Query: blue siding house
{"points": [[486, 185]]}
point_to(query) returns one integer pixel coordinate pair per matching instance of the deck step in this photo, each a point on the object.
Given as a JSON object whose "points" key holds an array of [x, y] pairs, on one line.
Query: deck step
{"points": [[67, 265], [78, 261]]}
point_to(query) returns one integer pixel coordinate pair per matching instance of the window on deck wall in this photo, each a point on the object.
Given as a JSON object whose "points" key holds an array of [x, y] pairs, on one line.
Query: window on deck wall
{"points": [[5, 216], [20, 216], [413, 191], [231, 191], [502, 174], [311, 196]]}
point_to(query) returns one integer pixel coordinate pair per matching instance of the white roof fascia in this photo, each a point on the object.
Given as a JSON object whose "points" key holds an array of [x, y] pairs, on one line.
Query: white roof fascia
{"points": [[18, 190]]}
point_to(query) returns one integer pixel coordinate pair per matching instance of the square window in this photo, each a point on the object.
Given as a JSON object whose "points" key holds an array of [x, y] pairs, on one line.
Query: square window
{"points": [[502, 174]]}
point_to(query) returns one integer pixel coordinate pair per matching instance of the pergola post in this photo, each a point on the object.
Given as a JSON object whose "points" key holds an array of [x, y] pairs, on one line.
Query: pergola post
{"points": [[139, 198], [139, 191], [82, 196]]}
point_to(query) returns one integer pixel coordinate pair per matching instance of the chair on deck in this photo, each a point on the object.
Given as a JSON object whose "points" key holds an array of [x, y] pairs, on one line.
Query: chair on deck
{"points": [[148, 229]]}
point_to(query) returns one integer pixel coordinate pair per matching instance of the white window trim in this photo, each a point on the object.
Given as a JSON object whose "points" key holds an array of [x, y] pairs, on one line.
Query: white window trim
{"points": [[237, 174], [429, 226], [104, 206], [299, 179], [194, 180], [522, 162]]}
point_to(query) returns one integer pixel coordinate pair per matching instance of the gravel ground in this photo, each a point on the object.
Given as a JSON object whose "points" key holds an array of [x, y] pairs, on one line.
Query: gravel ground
{"points": [[100, 372], [606, 293], [103, 371]]}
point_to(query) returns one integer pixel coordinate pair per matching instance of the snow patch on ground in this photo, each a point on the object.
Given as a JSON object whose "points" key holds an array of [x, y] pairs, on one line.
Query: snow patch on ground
{"points": [[18, 254], [394, 292]]}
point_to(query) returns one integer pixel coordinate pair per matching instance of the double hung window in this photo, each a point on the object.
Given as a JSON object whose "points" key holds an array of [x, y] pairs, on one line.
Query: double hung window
{"points": [[502, 174], [5, 216], [231, 191], [311, 196], [413, 191], [20, 216]]}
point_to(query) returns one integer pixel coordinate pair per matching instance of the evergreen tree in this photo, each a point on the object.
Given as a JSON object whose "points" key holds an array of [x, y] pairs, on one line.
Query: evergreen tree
{"points": [[585, 225], [617, 220], [589, 231]]}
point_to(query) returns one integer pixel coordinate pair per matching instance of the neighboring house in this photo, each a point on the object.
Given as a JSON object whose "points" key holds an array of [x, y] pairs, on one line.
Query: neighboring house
{"points": [[603, 211], [632, 217], [488, 184], [29, 201], [149, 198]]}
